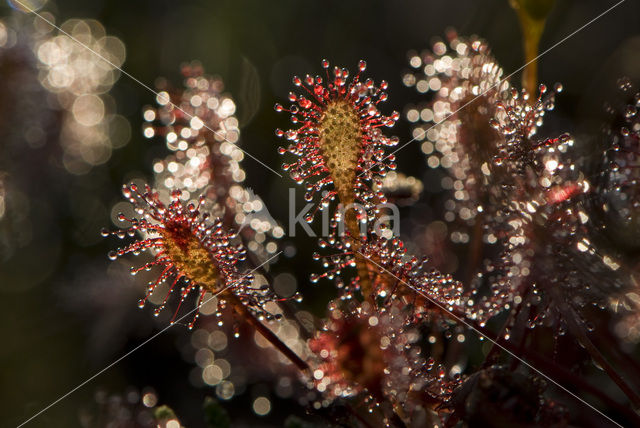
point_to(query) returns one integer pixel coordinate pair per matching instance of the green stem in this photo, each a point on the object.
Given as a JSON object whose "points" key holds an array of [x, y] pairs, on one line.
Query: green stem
{"points": [[532, 15], [531, 32]]}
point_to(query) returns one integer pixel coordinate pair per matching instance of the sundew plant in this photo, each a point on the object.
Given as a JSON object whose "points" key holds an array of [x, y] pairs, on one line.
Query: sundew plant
{"points": [[386, 214]]}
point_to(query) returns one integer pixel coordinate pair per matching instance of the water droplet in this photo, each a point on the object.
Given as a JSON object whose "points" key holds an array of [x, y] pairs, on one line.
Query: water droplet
{"points": [[630, 111]]}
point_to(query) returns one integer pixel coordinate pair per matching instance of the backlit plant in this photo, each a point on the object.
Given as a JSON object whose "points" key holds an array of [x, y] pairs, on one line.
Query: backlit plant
{"points": [[339, 140], [395, 347], [511, 297]]}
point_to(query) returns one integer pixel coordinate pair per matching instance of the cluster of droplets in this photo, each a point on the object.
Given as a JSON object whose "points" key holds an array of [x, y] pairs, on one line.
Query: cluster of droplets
{"points": [[199, 126], [523, 193], [190, 250], [517, 120], [57, 117], [338, 138], [80, 73], [620, 176], [454, 126], [399, 275], [549, 266], [394, 275], [77, 76], [341, 257], [372, 353], [617, 186]]}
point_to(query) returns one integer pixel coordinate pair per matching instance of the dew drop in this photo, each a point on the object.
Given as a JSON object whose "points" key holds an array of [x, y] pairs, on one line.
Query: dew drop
{"points": [[630, 112]]}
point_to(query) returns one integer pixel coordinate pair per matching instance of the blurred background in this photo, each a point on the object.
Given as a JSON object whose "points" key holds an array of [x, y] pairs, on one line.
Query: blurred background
{"points": [[71, 132]]}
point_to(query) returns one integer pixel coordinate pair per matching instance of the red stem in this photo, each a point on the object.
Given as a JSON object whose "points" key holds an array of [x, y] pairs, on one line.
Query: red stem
{"points": [[552, 369], [579, 331], [245, 314]]}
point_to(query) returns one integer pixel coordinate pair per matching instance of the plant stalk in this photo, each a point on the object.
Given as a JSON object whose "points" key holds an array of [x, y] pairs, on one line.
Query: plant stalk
{"points": [[552, 369], [580, 333], [531, 32], [246, 315], [532, 15]]}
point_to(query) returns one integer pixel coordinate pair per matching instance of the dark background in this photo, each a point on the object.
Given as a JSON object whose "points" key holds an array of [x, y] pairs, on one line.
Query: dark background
{"points": [[49, 343]]}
